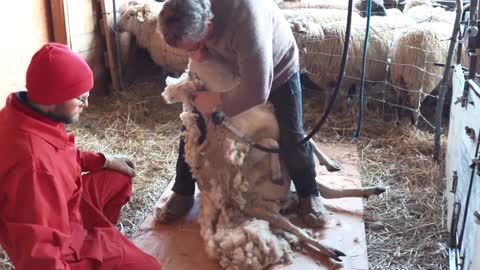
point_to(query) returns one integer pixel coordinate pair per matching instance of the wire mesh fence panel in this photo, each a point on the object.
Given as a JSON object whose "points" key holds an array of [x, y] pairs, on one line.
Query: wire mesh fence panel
{"points": [[405, 59]]}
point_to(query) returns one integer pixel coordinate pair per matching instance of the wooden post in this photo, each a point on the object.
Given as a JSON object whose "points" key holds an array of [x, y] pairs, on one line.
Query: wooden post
{"points": [[59, 21], [110, 55]]}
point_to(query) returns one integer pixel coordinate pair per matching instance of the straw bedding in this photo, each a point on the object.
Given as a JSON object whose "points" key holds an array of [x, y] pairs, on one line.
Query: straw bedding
{"points": [[405, 226]]}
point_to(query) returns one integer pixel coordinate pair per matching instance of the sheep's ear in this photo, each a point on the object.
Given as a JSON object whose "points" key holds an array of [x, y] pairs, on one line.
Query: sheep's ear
{"points": [[140, 16], [147, 9], [298, 28]]}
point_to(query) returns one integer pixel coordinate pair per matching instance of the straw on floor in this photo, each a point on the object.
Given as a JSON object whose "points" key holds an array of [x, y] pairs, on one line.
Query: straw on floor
{"points": [[406, 227]]}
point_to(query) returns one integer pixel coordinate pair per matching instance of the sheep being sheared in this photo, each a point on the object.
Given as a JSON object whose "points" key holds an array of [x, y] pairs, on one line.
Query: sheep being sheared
{"points": [[141, 19], [242, 189]]}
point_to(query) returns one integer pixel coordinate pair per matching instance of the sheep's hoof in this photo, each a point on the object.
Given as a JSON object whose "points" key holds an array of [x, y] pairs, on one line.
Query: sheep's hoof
{"points": [[333, 167], [379, 190], [338, 254]]}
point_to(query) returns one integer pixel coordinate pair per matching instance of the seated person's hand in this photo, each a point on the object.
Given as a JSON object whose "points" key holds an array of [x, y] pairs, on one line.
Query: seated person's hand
{"points": [[120, 163]]}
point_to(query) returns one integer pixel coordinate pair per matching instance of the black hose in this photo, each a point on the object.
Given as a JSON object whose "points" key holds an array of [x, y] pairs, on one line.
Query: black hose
{"points": [[341, 73]]}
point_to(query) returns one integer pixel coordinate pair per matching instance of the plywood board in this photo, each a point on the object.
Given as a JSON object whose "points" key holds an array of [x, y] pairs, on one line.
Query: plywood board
{"points": [[461, 149], [82, 17], [180, 247], [85, 38]]}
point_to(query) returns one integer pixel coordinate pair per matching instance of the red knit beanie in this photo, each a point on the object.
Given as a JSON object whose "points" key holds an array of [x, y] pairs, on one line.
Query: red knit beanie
{"points": [[57, 74]]}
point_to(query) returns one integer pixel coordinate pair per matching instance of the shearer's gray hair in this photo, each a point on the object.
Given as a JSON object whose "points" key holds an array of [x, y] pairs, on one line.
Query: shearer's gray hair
{"points": [[184, 19]]}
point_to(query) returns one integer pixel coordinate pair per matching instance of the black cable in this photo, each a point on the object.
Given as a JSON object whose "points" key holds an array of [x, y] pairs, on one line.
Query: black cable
{"points": [[341, 73]]}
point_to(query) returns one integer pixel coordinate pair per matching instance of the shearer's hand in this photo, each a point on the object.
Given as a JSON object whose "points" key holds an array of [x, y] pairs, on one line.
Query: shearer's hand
{"points": [[120, 163], [206, 102]]}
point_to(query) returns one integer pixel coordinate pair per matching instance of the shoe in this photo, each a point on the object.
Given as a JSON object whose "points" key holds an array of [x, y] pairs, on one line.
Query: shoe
{"points": [[174, 209], [312, 211]]}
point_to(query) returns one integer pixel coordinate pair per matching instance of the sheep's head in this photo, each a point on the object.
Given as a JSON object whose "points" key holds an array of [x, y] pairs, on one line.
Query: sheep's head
{"points": [[378, 8], [298, 26], [416, 3], [132, 15], [180, 89]]}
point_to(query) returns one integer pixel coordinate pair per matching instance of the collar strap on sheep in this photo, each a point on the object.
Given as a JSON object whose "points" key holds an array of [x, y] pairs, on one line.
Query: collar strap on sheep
{"points": [[219, 118]]}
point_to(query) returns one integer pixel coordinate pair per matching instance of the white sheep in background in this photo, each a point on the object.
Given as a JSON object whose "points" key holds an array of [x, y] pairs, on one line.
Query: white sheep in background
{"points": [[423, 11], [360, 6], [141, 19], [300, 19], [412, 71], [321, 47], [311, 4], [241, 197]]}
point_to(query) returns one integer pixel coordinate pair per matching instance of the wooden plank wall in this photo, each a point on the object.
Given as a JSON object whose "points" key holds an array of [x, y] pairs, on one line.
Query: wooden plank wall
{"points": [[31, 23], [25, 27], [85, 37], [125, 40]]}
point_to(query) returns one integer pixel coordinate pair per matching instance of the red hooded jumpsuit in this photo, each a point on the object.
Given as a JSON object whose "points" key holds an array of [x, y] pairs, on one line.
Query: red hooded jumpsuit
{"points": [[52, 216]]}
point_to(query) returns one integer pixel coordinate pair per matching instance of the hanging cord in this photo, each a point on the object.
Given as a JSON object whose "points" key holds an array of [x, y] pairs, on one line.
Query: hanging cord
{"points": [[364, 64], [219, 118]]}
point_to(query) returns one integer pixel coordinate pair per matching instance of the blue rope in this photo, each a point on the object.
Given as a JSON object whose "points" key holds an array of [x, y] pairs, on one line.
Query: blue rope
{"points": [[364, 62]]}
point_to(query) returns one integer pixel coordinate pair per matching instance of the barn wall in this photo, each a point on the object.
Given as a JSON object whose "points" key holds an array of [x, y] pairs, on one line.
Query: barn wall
{"points": [[28, 24], [461, 149], [25, 27], [85, 38]]}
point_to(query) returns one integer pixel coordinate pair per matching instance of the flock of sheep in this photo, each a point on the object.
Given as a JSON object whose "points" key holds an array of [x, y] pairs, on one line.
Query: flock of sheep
{"points": [[403, 46]]}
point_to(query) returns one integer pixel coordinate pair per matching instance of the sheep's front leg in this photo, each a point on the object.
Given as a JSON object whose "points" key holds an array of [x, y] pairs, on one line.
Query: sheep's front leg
{"points": [[331, 165], [278, 221]]}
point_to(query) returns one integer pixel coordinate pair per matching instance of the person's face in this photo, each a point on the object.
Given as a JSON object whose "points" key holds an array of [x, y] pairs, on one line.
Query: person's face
{"points": [[188, 45], [69, 111]]}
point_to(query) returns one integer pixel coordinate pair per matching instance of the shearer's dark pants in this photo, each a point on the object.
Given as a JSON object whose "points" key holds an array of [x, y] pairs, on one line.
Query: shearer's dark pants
{"points": [[287, 102]]}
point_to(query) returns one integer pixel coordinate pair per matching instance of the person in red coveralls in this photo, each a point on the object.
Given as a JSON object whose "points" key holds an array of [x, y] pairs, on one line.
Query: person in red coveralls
{"points": [[58, 204]]}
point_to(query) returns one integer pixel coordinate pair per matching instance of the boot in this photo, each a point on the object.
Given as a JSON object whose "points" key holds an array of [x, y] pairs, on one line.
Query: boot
{"points": [[176, 207], [312, 211]]}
